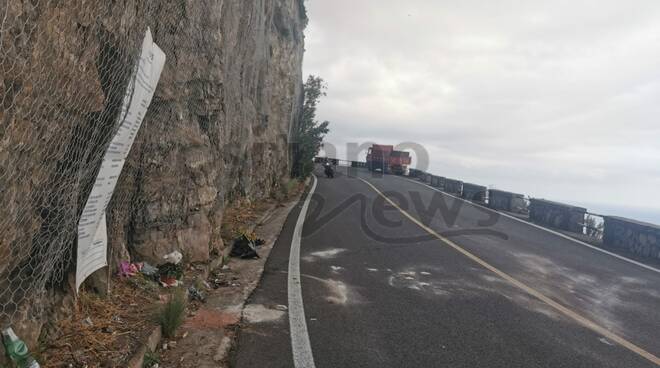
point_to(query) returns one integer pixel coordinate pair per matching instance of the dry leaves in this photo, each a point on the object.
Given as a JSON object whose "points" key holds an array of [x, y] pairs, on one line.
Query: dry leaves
{"points": [[103, 332]]}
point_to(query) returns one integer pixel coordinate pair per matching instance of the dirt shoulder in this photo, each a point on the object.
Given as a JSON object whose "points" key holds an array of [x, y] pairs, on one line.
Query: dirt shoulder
{"points": [[208, 333], [121, 329]]}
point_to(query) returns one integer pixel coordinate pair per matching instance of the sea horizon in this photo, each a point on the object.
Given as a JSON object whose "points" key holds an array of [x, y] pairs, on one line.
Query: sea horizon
{"points": [[644, 214]]}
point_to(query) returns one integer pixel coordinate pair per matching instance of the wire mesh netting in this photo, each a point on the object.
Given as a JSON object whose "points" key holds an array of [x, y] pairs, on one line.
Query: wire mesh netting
{"points": [[217, 127], [64, 71]]}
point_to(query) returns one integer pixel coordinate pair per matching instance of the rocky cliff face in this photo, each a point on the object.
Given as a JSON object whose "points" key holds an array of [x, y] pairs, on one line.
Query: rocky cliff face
{"points": [[218, 126]]}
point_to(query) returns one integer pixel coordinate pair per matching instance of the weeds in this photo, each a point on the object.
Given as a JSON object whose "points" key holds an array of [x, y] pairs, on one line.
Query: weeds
{"points": [[286, 189], [150, 360], [291, 187], [237, 215], [171, 315]]}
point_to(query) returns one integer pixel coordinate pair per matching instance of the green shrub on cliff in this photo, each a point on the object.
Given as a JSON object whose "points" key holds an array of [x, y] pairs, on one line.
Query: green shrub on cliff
{"points": [[308, 133]]}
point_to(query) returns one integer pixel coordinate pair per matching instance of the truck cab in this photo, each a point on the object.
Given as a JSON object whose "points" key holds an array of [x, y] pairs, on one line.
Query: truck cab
{"points": [[385, 159]]}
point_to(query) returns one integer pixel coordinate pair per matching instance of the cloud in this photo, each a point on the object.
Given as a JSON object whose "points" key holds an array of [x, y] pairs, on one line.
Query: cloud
{"points": [[554, 99]]}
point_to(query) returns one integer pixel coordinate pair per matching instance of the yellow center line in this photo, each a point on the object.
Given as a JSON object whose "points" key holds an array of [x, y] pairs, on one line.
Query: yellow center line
{"points": [[560, 308]]}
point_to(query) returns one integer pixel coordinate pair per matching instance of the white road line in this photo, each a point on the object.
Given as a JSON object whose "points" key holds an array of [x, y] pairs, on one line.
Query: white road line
{"points": [[543, 228], [302, 349]]}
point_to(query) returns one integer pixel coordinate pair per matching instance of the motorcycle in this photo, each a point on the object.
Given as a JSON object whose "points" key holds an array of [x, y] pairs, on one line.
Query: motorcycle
{"points": [[329, 171]]}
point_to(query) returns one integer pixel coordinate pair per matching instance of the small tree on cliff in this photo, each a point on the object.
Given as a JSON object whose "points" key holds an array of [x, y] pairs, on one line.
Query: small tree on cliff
{"points": [[308, 134]]}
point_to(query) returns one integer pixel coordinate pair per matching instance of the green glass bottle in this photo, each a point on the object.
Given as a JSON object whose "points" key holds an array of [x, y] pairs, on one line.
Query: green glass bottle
{"points": [[17, 350]]}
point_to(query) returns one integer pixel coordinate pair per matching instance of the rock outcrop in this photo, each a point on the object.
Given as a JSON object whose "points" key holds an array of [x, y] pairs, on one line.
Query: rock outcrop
{"points": [[218, 126]]}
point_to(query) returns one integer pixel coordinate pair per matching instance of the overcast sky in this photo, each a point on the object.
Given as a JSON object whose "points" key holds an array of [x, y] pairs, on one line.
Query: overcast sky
{"points": [[555, 99]]}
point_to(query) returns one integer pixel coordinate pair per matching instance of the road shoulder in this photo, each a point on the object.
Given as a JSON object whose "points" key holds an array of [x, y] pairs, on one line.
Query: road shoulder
{"points": [[208, 335]]}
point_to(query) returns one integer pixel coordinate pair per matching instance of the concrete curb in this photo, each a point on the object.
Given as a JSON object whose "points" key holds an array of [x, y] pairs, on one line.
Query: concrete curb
{"points": [[148, 346]]}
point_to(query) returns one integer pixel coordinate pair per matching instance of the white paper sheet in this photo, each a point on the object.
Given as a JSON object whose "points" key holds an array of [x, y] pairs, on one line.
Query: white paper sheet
{"points": [[92, 231]]}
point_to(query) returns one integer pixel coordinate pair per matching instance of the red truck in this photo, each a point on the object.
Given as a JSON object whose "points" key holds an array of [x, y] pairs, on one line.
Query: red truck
{"points": [[384, 158]]}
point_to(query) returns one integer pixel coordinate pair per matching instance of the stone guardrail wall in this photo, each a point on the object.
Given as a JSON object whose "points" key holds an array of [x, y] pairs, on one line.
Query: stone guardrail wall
{"points": [[629, 235], [474, 192], [557, 215], [634, 236], [438, 181], [507, 201], [413, 173], [453, 186], [358, 164]]}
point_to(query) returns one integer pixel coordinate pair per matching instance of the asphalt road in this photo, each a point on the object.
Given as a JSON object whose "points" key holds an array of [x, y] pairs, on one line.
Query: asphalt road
{"points": [[455, 286]]}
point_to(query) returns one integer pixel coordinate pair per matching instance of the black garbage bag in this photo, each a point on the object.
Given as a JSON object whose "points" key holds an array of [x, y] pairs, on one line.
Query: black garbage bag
{"points": [[244, 248]]}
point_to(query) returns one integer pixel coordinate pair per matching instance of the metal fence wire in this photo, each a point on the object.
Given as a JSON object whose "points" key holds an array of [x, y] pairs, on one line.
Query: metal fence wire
{"points": [[64, 71]]}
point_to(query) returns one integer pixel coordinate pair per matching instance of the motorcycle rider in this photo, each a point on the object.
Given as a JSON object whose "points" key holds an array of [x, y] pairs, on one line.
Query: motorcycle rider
{"points": [[329, 171]]}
